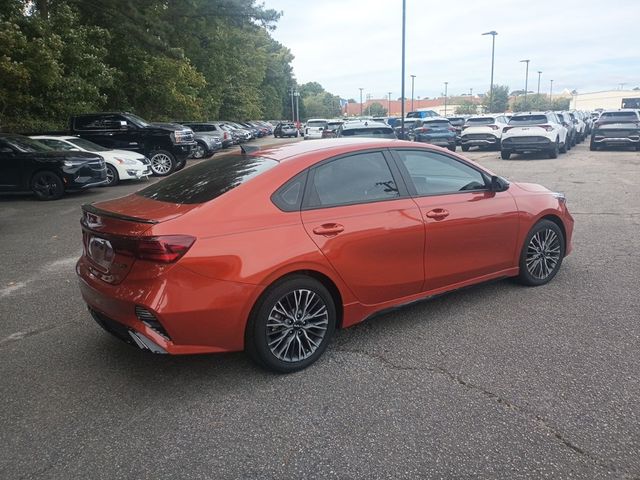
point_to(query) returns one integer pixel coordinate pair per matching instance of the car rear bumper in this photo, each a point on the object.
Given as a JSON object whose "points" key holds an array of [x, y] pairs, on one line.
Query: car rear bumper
{"points": [[527, 144], [479, 141], [212, 320], [440, 141], [602, 140]]}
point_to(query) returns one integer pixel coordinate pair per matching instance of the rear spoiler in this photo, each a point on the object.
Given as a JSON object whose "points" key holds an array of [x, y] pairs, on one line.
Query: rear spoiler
{"points": [[248, 149], [90, 208]]}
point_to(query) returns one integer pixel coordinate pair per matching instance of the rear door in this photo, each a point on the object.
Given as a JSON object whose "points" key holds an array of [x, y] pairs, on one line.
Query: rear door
{"points": [[470, 231], [11, 167], [360, 216]]}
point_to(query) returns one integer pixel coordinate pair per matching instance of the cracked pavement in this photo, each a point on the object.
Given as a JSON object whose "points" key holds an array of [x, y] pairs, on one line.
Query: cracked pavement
{"points": [[494, 381]]}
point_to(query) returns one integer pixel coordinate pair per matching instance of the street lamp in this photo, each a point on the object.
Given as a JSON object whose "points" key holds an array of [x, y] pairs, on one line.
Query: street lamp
{"points": [[413, 77], [539, 74], [389, 104], [526, 80], [293, 112], [493, 34], [446, 84], [297, 95], [361, 89], [404, 31], [551, 95]]}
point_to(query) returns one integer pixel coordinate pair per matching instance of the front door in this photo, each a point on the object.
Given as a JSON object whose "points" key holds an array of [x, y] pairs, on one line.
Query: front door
{"points": [[368, 228], [470, 231], [10, 168]]}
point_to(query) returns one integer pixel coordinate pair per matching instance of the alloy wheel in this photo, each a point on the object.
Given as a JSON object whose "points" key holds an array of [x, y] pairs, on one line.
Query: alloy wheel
{"points": [[543, 254], [198, 152], [297, 325], [161, 163], [46, 185]]}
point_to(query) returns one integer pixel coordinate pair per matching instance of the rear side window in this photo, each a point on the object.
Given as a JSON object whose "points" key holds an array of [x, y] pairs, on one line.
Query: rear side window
{"points": [[528, 120], [316, 124], [207, 180], [359, 178]]}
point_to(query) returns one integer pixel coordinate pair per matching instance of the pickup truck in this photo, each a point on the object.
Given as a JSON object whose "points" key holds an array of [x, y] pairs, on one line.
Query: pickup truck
{"points": [[167, 145]]}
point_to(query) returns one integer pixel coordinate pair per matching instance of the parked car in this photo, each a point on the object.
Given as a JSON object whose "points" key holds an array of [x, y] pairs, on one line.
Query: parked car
{"points": [[332, 128], [208, 138], [255, 131], [534, 132], [166, 145], [437, 131], [368, 129], [243, 134], [580, 125], [616, 128], [409, 125], [369, 225], [314, 128], [285, 130], [121, 164], [567, 122], [457, 123], [483, 131], [422, 114], [27, 165]]}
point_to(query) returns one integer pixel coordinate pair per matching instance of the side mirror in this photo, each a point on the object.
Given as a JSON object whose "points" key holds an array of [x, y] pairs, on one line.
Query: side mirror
{"points": [[498, 184]]}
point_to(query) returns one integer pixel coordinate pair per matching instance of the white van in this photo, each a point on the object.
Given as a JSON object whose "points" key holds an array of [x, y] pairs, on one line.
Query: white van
{"points": [[315, 127]]}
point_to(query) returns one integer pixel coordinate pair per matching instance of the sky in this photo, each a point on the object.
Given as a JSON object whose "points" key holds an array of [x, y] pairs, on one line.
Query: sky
{"points": [[586, 45]]}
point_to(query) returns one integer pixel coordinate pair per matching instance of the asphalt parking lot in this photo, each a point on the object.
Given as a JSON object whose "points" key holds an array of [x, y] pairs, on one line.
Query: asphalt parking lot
{"points": [[495, 381]]}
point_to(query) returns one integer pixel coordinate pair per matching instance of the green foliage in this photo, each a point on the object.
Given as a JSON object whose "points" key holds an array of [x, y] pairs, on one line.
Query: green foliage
{"points": [[539, 103], [376, 109], [500, 101], [466, 107], [193, 59]]}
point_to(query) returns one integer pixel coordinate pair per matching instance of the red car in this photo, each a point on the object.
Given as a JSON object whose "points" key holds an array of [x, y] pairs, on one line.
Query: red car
{"points": [[270, 252]]}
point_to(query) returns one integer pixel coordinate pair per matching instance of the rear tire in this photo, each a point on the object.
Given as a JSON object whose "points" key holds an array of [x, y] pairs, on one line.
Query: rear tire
{"points": [[452, 148], [593, 147], [505, 154], [542, 254], [564, 147], [163, 163], [285, 333], [47, 185], [465, 148], [553, 153], [200, 151]]}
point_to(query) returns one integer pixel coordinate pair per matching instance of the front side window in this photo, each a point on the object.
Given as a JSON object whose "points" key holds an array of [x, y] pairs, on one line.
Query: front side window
{"points": [[358, 178], [435, 174]]}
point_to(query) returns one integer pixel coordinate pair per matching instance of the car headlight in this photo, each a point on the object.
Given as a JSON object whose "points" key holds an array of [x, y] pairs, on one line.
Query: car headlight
{"points": [[127, 161], [74, 163]]}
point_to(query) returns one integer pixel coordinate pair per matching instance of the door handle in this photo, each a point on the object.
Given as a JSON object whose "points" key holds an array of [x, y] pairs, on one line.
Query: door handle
{"points": [[328, 229], [438, 213]]}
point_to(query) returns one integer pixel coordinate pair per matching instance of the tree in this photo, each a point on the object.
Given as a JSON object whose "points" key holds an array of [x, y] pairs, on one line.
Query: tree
{"points": [[376, 109], [466, 107], [500, 101]]}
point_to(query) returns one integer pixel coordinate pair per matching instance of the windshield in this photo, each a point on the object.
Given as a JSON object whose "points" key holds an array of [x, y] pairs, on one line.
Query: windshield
{"points": [[619, 117], [26, 144], [528, 120], [87, 145], [316, 124], [140, 122], [481, 121], [207, 180]]}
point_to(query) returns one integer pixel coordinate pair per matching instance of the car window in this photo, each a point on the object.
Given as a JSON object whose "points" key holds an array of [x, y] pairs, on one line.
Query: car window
{"points": [[26, 144], [359, 178], [528, 120], [87, 145], [374, 132], [481, 121], [56, 144], [433, 173], [619, 117], [316, 124]]}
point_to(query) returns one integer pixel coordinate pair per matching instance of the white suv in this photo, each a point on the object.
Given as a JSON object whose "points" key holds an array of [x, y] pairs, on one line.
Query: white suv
{"points": [[534, 132], [315, 127], [483, 131]]}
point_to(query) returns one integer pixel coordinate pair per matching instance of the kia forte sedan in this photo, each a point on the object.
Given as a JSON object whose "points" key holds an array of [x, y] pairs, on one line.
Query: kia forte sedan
{"points": [[271, 251]]}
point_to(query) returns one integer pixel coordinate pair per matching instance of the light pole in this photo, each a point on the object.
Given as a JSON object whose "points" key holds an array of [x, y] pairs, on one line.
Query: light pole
{"points": [[361, 89], [493, 34], [369, 104], [293, 112], [471, 92], [446, 85], [526, 80], [389, 104], [551, 95], [297, 95], [404, 31], [413, 77], [539, 74]]}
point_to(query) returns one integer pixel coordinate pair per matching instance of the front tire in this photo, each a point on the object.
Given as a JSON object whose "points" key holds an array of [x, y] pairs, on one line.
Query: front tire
{"points": [[291, 325], [553, 153], [465, 148], [163, 163], [541, 254], [47, 186], [200, 151], [452, 148], [112, 176], [505, 154]]}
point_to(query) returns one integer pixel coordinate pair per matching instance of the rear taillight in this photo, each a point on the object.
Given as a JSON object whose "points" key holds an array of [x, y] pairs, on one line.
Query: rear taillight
{"points": [[548, 128], [162, 248], [465, 126], [494, 127], [451, 129], [506, 128]]}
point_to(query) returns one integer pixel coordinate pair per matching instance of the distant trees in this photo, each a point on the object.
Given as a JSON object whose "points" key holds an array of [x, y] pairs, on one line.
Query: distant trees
{"points": [[376, 109], [540, 103], [466, 107], [500, 101]]}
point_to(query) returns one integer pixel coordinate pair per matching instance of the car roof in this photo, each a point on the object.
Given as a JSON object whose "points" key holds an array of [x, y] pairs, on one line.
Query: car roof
{"points": [[364, 124], [330, 146], [55, 137]]}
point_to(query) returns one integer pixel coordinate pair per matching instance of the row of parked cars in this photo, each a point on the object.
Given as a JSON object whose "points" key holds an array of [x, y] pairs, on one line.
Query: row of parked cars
{"points": [[102, 149]]}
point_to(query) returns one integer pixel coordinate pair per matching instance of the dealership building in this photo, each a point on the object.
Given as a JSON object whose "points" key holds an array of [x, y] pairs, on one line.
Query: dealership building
{"points": [[609, 99]]}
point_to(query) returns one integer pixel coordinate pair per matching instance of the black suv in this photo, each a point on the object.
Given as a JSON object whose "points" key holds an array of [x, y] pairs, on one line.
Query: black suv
{"points": [[28, 165], [616, 128], [167, 145]]}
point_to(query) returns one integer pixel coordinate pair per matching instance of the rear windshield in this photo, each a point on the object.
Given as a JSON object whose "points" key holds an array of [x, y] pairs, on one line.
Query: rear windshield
{"points": [[207, 180], [378, 132], [528, 120], [317, 124], [407, 124], [287, 125], [436, 123], [619, 117], [481, 121], [456, 121]]}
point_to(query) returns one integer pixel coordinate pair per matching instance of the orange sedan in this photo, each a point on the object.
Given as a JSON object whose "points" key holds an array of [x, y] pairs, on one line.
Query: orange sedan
{"points": [[271, 251]]}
